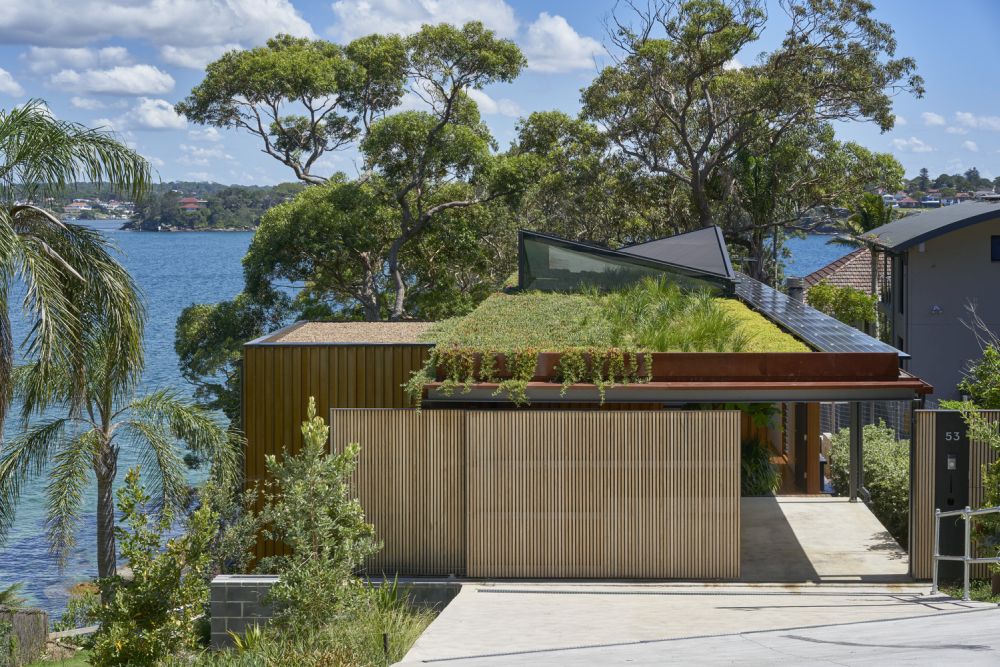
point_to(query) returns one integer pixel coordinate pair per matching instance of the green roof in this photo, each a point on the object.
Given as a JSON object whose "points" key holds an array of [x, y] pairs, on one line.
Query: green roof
{"points": [[647, 317]]}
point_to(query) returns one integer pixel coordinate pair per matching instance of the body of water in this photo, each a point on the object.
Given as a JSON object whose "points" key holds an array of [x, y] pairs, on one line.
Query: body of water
{"points": [[812, 253], [174, 270]]}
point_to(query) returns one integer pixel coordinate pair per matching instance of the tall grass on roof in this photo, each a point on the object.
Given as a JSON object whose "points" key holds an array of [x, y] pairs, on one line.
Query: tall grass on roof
{"points": [[658, 316]]}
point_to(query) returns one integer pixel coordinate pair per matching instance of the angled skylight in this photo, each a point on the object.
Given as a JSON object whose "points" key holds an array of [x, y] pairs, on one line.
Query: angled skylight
{"points": [[703, 250], [552, 264]]}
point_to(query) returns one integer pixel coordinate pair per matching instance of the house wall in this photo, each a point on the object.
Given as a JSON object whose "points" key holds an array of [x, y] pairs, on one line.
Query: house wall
{"points": [[278, 380], [549, 493], [951, 270]]}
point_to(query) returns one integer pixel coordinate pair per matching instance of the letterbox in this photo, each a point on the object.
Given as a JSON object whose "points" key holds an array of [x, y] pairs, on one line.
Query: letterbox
{"points": [[951, 487]]}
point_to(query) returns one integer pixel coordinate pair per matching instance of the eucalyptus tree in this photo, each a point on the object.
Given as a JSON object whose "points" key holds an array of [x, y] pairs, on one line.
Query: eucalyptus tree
{"points": [[421, 154], [301, 98], [679, 103]]}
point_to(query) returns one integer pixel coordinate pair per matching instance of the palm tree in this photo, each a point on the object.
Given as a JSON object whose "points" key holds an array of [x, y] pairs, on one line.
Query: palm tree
{"points": [[85, 342], [104, 416], [870, 212], [40, 156], [11, 596]]}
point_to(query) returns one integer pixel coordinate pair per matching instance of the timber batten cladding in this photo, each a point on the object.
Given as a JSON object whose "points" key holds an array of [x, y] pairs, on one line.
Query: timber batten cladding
{"points": [[552, 493], [281, 371]]}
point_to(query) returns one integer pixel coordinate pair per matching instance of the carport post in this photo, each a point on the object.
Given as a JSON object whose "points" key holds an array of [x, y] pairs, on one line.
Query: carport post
{"points": [[857, 478]]}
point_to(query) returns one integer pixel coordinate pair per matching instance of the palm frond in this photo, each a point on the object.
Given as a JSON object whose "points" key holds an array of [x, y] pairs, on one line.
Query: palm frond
{"points": [[11, 596], [159, 460], [24, 457], [197, 428], [48, 154], [68, 479]]}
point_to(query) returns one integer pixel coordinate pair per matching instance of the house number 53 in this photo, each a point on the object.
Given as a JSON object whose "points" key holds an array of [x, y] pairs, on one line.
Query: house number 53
{"points": [[952, 436]]}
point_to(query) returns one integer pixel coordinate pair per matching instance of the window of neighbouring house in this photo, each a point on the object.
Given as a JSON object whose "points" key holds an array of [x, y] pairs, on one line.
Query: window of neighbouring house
{"points": [[995, 248]]}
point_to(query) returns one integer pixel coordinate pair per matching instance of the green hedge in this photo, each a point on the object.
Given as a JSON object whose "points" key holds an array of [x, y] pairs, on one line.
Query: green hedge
{"points": [[887, 475]]}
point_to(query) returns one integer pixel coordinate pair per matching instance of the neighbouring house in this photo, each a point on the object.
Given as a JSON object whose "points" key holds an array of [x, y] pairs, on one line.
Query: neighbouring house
{"points": [[852, 270], [191, 203], [929, 268], [542, 449], [908, 202]]}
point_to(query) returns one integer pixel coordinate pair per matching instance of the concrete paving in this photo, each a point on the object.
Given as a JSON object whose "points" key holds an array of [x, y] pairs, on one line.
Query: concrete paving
{"points": [[969, 639], [818, 539], [524, 619]]}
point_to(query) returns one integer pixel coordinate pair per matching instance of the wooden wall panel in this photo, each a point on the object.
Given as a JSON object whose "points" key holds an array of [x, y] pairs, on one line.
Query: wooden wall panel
{"points": [[604, 494], [922, 488], [922, 523], [279, 379], [411, 481]]}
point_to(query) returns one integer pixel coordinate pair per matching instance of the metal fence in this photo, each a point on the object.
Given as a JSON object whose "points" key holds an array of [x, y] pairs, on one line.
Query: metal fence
{"points": [[896, 415]]}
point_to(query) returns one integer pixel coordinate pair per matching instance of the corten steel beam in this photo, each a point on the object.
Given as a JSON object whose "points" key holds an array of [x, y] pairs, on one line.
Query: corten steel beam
{"points": [[857, 474]]}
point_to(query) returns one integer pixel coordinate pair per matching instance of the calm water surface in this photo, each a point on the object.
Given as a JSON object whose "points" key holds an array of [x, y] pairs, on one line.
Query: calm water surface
{"points": [[175, 270]]}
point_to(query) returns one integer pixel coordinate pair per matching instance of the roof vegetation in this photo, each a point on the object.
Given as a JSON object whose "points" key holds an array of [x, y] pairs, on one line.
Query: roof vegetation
{"points": [[651, 316], [601, 336]]}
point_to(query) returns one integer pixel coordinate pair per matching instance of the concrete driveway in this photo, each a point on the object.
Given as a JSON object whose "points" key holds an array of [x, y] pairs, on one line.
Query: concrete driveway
{"points": [[967, 638], [529, 623]]}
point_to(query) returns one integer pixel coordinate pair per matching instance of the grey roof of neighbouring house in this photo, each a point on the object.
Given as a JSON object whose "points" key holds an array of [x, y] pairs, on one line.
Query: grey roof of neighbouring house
{"points": [[913, 229]]}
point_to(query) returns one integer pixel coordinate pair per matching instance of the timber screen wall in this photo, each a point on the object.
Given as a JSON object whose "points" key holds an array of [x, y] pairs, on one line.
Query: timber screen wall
{"points": [[278, 380], [549, 493]]}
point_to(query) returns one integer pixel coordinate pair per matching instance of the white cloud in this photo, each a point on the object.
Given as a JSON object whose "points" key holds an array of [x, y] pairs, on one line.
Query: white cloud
{"points": [[736, 64], [40, 59], [978, 122], [162, 22], [901, 121], [8, 85], [552, 45], [200, 156], [205, 134], [932, 119], [971, 145], [911, 145], [198, 176], [153, 160], [194, 57], [951, 129], [146, 114], [123, 80], [490, 107], [88, 103], [362, 17]]}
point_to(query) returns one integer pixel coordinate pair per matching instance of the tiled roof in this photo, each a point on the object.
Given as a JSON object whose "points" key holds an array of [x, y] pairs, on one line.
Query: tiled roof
{"points": [[851, 270]]}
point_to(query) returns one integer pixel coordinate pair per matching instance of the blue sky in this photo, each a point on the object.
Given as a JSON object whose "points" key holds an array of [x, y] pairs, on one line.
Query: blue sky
{"points": [[123, 63]]}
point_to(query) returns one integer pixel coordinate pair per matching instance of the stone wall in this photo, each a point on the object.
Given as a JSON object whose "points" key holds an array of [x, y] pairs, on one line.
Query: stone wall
{"points": [[237, 602]]}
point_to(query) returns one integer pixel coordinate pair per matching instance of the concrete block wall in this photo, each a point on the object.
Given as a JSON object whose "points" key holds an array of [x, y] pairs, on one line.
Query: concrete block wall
{"points": [[237, 602]]}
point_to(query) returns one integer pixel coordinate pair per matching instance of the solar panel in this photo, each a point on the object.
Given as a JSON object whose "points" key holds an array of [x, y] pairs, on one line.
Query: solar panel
{"points": [[817, 329]]}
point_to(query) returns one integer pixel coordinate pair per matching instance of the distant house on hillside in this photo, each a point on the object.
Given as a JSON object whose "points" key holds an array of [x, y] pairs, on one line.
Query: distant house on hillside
{"points": [[191, 203], [908, 202]]}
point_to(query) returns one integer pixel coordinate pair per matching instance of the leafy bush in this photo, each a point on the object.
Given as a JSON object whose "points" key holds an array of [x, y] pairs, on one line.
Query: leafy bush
{"points": [[847, 304], [982, 380], [758, 476], [310, 509], [152, 614], [887, 474]]}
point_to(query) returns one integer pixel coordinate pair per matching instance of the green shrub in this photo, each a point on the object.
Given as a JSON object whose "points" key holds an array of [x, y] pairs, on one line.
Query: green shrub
{"points": [[356, 639], [887, 475], [152, 614], [982, 380], [758, 476], [310, 508], [847, 304]]}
